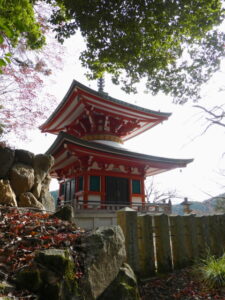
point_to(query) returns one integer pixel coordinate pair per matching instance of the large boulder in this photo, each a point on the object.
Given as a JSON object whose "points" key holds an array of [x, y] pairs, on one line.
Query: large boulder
{"points": [[105, 253], [123, 287], [6, 160], [51, 276], [7, 196], [21, 178], [24, 156], [42, 165], [45, 196], [28, 200]]}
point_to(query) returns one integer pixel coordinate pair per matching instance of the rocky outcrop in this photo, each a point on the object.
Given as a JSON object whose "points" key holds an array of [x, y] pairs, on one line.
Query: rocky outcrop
{"points": [[28, 200], [98, 255], [7, 157], [7, 196], [51, 275], [42, 164], [104, 251], [25, 157], [123, 287], [25, 178], [45, 196], [66, 213], [21, 178]]}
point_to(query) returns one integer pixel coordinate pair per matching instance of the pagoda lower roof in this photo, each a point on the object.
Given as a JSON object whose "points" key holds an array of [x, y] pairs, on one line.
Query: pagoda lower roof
{"points": [[79, 112], [68, 149]]}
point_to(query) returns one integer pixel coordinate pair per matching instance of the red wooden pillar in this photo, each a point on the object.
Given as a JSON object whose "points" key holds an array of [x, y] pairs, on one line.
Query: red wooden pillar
{"points": [[142, 190]]}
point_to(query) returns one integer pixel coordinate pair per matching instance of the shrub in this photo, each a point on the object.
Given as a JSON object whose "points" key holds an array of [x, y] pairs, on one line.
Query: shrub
{"points": [[212, 271]]}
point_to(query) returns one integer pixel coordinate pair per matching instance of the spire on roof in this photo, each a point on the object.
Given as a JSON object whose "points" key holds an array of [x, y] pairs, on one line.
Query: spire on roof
{"points": [[101, 84]]}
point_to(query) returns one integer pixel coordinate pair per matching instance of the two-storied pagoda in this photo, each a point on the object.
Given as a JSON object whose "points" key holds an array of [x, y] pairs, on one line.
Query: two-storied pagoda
{"points": [[91, 163]]}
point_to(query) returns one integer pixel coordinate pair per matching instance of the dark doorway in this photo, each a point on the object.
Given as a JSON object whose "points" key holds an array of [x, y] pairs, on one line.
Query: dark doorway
{"points": [[117, 189]]}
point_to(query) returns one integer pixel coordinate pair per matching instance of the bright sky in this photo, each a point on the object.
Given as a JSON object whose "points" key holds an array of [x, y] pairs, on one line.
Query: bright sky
{"points": [[175, 138]]}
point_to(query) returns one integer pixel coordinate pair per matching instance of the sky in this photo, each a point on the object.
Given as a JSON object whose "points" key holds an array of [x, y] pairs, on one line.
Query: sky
{"points": [[179, 137]]}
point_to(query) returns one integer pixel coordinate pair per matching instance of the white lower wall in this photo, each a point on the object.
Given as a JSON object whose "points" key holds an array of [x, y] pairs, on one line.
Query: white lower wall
{"points": [[94, 220]]}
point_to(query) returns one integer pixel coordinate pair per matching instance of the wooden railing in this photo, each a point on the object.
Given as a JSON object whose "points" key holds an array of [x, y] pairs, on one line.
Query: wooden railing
{"points": [[113, 207]]}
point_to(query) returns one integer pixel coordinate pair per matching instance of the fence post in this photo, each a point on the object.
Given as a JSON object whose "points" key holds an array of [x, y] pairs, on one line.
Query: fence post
{"points": [[178, 241], [215, 236], [127, 219], [190, 230], [162, 243], [145, 246], [203, 235]]}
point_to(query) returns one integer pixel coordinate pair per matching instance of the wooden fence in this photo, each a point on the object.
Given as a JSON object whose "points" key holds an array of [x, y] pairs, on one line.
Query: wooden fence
{"points": [[163, 243]]}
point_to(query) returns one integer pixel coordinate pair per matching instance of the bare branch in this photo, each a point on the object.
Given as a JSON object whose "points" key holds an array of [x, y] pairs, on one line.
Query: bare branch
{"points": [[216, 115]]}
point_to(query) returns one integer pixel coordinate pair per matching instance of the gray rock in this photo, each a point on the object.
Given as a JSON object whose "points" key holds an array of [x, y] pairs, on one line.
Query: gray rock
{"points": [[28, 200], [45, 197], [51, 276], [7, 196], [105, 254], [25, 157], [42, 165], [21, 178], [7, 156], [36, 189], [65, 213], [123, 287]]}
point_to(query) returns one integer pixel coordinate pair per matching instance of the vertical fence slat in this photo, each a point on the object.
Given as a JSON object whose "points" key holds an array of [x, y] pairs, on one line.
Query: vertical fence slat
{"points": [[190, 231], [127, 219], [203, 236], [162, 243], [145, 246], [178, 242], [215, 236]]}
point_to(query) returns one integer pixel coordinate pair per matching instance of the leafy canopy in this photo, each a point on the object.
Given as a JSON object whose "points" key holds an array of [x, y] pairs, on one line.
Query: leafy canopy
{"points": [[169, 43], [18, 23]]}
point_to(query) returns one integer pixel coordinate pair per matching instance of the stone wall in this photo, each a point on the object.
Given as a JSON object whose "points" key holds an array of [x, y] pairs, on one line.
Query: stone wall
{"points": [[25, 179]]}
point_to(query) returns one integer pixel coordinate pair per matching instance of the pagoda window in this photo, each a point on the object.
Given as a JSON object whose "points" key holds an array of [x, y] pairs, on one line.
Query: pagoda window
{"points": [[80, 183], [136, 187], [94, 183]]}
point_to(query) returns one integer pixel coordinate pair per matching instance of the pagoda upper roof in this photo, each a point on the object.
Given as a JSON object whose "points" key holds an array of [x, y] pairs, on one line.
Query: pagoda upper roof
{"points": [[82, 110], [68, 149]]}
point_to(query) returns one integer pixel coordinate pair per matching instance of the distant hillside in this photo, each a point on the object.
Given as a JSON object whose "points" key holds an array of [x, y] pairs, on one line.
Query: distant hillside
{"points": [[205, 207]]}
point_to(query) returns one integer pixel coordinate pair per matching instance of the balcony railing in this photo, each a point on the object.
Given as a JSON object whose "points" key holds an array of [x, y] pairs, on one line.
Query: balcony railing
{"points": [[92, 205]]}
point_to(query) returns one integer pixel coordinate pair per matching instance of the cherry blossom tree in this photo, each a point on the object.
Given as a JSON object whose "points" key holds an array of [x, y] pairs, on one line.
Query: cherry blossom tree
{"points": [[24, 104]]}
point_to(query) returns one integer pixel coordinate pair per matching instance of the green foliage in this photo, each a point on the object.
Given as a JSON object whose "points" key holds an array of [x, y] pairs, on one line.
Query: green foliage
{"points": [[170, 43], [212, 272], [18, 23]]}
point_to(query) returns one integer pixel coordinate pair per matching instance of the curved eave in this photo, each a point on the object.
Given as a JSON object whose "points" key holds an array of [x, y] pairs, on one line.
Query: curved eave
{"points": [[144, 158], [88, 91]]}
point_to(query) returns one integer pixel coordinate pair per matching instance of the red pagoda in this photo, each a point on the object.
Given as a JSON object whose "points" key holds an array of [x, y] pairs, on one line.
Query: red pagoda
{"points": [[91, 164]]}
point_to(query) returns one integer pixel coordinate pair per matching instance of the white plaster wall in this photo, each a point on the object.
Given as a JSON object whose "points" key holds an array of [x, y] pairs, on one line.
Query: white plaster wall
{"points": [[136, 199]]}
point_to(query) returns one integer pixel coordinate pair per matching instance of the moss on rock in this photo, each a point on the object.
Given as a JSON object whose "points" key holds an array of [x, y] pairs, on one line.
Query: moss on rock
{"points": [[52, 276], [123, 287]]}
